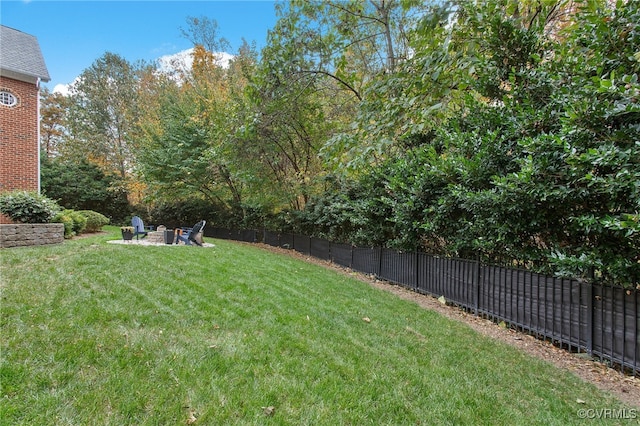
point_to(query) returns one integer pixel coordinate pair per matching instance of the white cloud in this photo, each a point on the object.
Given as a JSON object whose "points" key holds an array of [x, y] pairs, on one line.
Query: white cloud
{"points": [[182, 61], [224, 58], [175, 64], [63, 89]]}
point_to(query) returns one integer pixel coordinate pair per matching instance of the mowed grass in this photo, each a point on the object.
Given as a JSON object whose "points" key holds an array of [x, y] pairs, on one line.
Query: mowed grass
{"points": [[102, 334]]}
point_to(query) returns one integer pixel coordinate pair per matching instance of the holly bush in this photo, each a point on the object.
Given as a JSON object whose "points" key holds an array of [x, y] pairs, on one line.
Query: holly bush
{"points": [[537, 161], [28, 207]]}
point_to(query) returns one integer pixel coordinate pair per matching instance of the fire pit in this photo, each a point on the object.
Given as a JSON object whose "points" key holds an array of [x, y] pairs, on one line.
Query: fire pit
{"points": [[156, 237]]}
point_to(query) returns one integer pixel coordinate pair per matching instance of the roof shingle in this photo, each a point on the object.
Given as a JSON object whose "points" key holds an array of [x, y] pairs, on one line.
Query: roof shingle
{"points": [[20, 56]]}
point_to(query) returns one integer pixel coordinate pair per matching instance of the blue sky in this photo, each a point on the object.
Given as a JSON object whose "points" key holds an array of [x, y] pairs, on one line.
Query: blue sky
{"points": [[73, 34]]}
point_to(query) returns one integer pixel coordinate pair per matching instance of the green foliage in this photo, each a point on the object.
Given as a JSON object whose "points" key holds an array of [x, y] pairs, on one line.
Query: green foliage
{"points": [[493, 129], [540, 164], [363, 212], [74, 222], [102, 112], [94, 220], [188, 211], [185, 155], [79, 221], [66, 219], [396, 107], [175, 158], [284, 126], [80, 185], [183, 212], [28, 207]]}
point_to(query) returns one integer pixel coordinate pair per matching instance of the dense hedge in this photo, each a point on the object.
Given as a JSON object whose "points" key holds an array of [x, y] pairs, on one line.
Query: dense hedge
{"points": [[540, 165], [84, 186], [28, 207]]}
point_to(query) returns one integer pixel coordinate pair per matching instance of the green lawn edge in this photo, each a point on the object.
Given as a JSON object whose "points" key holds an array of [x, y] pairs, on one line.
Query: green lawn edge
{"points": [[99, 333]]}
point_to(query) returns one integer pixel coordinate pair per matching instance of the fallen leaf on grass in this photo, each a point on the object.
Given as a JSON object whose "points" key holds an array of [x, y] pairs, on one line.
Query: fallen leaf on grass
{"points": [[366, 319], [268, 411], [191, 419], [581, 401]]}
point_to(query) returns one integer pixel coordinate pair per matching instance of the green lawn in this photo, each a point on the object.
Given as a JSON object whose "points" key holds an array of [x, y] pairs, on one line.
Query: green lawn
{"points": [[100, 334]]}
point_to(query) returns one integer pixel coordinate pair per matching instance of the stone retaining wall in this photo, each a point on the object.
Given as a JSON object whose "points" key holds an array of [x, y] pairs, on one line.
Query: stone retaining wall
{"points": [[31, 234]]}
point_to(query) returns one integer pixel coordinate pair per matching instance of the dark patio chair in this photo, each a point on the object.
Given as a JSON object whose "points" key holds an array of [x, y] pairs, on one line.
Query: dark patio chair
{"points": [[191, 235], [138, 227]]}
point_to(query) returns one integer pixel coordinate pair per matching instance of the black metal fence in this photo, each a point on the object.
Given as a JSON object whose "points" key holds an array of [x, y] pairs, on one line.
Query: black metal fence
{"points": [[600, 320]]}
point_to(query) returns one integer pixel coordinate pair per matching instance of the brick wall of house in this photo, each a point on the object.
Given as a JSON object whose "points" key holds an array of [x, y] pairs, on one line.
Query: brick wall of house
{"points": [[19, 143]]}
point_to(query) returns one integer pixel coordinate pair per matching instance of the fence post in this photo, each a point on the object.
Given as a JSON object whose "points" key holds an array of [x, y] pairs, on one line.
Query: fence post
{"points": [[590, 308], [477, 286], [351, 261], [416, 282]]}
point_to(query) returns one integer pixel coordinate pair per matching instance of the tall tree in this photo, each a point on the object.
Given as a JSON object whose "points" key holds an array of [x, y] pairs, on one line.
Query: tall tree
{"points": [[350, 42], [318, 61], [53, 122], [80, 185], [345, 49], [102, 113], [285, 125], [186, 129], [459, 49], [203, 31]]}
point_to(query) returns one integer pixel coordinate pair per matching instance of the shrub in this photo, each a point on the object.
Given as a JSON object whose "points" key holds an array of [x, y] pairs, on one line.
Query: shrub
{"points": [[74, 222], [80, 185], [28, 207], [79, 221], [65, 218], [179, 212], [95, 220]]}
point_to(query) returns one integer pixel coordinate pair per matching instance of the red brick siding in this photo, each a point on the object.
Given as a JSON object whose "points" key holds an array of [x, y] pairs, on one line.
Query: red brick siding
{"points": [[19, 143]]}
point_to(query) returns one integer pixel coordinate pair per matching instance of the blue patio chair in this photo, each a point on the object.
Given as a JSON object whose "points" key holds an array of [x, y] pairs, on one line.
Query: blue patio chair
{"points": [[138, 227], [192, 235]]}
